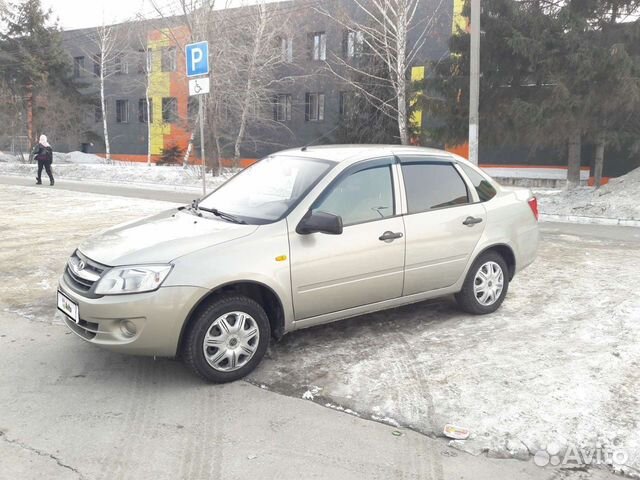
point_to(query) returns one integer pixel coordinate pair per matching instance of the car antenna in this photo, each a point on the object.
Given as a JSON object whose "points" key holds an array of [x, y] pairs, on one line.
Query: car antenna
{"points": [[312, 142]]}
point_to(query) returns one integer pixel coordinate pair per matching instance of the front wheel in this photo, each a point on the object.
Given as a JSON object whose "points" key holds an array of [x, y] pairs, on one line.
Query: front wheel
{"points": [[486, 285], [227, 340]]}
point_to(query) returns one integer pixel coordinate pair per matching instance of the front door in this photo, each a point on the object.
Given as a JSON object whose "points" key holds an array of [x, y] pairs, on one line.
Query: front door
{"points": [[365, 263]]}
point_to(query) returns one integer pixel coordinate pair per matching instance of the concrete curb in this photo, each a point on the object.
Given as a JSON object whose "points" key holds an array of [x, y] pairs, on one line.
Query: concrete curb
{"points": [[623, 222]]}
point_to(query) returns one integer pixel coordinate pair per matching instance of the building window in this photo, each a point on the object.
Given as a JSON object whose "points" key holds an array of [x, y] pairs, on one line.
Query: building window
{"points": [[346, 101], [193, 110], [121, 65], [286, 49], [122, 111], [318, 46], [352, 44], [314, 107], [169, 109], [78, 66], [169, 59], [145, 115], [97, 113], [145, 60], [97, 64], [282, 108]]}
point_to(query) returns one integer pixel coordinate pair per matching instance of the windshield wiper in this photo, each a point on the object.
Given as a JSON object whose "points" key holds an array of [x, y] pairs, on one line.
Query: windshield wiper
{"points": [[195, 205]]}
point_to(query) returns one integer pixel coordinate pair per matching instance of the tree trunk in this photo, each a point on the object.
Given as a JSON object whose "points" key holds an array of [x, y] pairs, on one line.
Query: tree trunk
{"points": [[30, 102], [573, 171], [246, 103], [599, 161], [401, 83], [103, 106]]}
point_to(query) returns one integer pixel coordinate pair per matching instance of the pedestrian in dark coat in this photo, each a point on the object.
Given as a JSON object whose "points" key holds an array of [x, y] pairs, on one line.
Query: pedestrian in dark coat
{"points": [[43, 153]]}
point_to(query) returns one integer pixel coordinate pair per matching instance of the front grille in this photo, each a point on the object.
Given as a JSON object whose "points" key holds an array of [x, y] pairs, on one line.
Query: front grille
{"points": [[83, 328], [82, 279]]}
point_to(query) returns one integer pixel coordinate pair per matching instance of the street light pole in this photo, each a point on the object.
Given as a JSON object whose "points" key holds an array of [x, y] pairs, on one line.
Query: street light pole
{"points": [[474, 87]]}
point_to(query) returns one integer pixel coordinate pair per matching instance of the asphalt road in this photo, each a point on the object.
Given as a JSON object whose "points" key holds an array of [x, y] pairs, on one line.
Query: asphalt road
{"points": [[70, 410]]}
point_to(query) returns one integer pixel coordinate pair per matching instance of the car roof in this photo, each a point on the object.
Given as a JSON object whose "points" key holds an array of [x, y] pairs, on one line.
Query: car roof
{"points": [[354, 153]]}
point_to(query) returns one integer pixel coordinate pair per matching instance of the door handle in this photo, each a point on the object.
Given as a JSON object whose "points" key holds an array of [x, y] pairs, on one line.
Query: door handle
{"points": [[389, 236], [471, 221]]}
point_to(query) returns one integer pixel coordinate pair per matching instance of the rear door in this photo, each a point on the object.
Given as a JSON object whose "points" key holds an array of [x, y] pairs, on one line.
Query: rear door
{"points": [[443, 224]]}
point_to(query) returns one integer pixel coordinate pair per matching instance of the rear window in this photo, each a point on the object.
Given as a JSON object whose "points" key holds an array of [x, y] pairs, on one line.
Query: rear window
{"points": [[431, 186], [483, 187]]}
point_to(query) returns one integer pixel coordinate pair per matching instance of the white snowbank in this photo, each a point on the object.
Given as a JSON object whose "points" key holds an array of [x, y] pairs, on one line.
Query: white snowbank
{"points": [[78, 158], [619, 199], [58, 157], [8, 158]]}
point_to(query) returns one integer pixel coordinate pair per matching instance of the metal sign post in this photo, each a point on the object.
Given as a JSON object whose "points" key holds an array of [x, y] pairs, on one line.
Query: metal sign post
{"points": [[204, 167], [197, 56]]}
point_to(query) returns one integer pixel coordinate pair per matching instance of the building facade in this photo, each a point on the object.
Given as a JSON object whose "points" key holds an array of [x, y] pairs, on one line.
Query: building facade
{"points": [[147, 104]]}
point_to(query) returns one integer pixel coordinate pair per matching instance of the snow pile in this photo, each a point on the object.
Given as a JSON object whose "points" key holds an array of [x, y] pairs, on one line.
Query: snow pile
{"points": [[77, 158], [78, 169], [58, 157], [619, 199], [8, 158]]}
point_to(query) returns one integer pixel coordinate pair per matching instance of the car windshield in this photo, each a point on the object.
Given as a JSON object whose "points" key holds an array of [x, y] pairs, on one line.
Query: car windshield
{"points": [[269, 189]]}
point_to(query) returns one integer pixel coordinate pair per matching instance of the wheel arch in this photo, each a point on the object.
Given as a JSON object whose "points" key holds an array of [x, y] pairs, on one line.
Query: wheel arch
{"points": [[506, 252], [257, 291]]}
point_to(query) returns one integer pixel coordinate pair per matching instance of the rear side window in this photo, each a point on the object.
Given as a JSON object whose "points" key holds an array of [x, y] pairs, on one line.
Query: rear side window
{"points": [[483, 187], [431, 186]]}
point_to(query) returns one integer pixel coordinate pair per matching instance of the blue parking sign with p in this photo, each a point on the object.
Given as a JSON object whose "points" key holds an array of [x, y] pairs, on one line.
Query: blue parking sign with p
{"points": [[197, 59]]}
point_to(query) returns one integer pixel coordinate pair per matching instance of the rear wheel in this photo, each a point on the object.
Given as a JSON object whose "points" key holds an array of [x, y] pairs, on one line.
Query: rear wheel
{"points": [[227, 340], [486, 285]]}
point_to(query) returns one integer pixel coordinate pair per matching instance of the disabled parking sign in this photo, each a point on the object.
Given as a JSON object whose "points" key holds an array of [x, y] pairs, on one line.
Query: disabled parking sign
{"points": [[197, 55]]}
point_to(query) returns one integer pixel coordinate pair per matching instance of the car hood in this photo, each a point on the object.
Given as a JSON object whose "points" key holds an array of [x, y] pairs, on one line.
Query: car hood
{"points": [[160, 238]]}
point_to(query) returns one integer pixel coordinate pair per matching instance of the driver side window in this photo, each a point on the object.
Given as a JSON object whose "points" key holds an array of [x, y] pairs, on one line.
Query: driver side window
{"points": [[363, 196]]}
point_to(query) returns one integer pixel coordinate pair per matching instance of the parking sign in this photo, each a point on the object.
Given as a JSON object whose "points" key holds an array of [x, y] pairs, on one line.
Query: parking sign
{"points": [[197, 55]]}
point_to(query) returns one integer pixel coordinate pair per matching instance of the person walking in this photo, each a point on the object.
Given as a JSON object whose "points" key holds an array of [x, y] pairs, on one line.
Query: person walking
{"points": [[43, 153]]}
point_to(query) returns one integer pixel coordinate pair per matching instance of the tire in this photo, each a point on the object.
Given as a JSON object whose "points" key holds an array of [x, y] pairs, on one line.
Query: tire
{"points": [[227, 341], [469, 299]]}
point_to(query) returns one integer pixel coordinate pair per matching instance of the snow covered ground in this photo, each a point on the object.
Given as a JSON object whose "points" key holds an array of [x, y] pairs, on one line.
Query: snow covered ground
{"points": [[559, 363], [619, 199], [91, 168]]}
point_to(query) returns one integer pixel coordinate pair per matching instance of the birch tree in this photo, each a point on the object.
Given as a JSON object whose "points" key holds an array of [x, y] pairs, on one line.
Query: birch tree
{"points": [[244, 51], [105, 39], [384, 29]]}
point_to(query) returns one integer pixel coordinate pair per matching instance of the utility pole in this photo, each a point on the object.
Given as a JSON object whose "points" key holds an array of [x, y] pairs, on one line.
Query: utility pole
{"points": [[474, 87]]}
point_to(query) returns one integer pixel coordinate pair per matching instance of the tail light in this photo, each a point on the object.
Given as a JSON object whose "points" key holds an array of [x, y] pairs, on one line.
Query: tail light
{"points": [[533, 203]]}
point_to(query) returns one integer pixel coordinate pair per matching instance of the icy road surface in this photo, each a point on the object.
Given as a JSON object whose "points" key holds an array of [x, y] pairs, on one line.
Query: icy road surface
{"points": [[560, 362]]}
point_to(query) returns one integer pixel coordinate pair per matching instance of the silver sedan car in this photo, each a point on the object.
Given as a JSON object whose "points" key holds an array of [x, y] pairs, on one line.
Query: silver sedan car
{"points": [[302, 237]]}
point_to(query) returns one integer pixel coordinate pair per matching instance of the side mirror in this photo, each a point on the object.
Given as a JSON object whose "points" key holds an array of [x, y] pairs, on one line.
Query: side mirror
{"points": [[320, 222]]}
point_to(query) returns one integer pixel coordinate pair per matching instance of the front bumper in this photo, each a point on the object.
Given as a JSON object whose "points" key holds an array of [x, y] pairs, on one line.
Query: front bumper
{"points": [[158, 317]]}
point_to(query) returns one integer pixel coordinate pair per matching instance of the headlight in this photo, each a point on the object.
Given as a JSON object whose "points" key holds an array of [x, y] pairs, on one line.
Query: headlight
{"points": [[133, 279]]}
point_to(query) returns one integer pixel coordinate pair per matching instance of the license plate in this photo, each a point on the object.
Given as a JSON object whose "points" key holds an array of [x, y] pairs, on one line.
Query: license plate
{"points": [[68, 307]]}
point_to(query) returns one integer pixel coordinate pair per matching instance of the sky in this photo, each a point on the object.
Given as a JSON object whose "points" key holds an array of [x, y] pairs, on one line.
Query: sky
{"points": [[89, 13], [74, 14]]}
